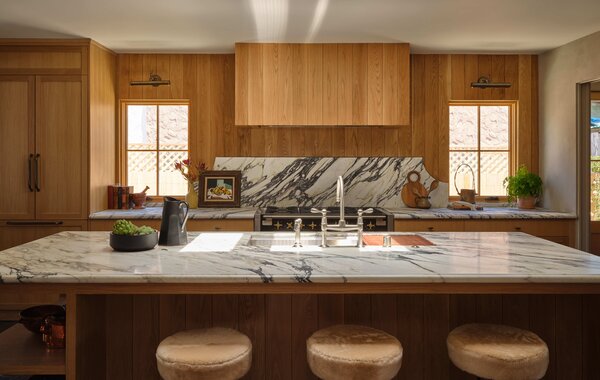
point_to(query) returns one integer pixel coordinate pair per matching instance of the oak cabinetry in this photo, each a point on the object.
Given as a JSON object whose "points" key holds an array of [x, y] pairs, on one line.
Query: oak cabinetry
{"points": [[16, 232], [192, 224], [559, 231], [48, 89], [322, 84]]}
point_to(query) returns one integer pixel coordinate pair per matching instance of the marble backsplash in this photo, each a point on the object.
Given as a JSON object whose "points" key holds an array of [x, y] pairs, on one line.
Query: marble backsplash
{"points": [[310, 181]]}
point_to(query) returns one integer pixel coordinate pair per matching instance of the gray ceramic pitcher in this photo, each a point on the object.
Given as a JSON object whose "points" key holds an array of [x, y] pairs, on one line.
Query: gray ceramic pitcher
{"points": [[174, 219]]}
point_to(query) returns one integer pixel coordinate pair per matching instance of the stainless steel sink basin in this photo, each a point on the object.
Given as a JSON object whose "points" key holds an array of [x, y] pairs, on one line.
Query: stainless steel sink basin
{"points": [[287, 240]]}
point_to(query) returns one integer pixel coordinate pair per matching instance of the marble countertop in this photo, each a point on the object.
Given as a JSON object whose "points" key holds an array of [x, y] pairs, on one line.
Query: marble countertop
{"points": [[401, 213], [486, 213], [221, 257], [196, 213]]}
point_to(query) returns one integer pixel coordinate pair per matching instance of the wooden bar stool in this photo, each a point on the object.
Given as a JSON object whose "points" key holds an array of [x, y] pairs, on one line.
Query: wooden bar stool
{"points": [[498, 352], [205, 354], [348, 352]]}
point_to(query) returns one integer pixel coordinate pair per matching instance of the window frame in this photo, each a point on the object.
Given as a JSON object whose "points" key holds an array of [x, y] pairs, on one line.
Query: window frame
{"points": [[512, 143], [122, 138]]}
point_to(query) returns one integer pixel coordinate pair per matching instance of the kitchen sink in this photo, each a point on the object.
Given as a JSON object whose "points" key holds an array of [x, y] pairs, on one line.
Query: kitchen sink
{"points": [[307, 240]]}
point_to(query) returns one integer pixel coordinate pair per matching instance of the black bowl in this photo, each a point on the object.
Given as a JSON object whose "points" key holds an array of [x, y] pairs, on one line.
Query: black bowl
{"points": [[33, 317], [128, 243]]}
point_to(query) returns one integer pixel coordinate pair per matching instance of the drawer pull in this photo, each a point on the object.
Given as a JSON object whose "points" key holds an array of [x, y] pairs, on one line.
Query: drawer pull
{"points": [[217, 228], [518, 228], [430, 228], [34, 223]]}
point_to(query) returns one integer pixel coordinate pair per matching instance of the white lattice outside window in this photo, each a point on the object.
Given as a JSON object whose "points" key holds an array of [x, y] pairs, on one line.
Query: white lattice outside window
{"points": [[156, 137], [480, 136]]}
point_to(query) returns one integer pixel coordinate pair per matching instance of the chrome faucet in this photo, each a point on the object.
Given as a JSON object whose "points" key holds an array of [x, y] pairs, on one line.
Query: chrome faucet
{"points": [[297, 229], [341, 226], [339, 197]]}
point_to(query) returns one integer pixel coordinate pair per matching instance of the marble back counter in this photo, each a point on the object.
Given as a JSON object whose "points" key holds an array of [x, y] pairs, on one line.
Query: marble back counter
{"points": [[476, 258], [399, 213]]}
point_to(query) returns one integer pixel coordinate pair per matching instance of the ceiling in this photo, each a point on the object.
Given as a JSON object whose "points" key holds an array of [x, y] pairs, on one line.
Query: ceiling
{"points": [[215, 25]]}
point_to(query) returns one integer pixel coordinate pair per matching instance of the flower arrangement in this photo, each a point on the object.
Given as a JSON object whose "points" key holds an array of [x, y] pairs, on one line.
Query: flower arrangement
{"points": [[190, 171]]}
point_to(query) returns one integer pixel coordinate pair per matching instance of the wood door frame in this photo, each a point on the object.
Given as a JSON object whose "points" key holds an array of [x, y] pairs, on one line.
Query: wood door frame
{"points": [[582, 232]]}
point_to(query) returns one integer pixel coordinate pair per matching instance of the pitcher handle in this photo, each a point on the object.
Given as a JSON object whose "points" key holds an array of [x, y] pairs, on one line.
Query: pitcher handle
{"points": [[187, 210]]}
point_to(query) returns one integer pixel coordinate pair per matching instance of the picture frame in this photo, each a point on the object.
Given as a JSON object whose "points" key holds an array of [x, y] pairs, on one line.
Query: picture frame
{"points": [[219, 188]]}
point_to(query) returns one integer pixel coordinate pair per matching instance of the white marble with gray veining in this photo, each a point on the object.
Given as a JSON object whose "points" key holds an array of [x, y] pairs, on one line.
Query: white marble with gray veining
{"points": [[487, 257], [197, 213], [310, 181], [486, 213]]}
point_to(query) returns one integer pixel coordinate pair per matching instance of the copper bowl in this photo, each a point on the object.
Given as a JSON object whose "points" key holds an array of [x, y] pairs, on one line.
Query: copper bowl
{"points": [[33, 317]]}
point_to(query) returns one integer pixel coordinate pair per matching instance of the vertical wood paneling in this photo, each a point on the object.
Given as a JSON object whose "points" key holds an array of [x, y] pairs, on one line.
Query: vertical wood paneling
{"points": [[471, 75], [149, 67], [436, 79], [305, 321], [485, 70], [279, 325], [300, 84], [163, 68], [435, 321], [391, 84], [458, 76], [375, 84], [542, 321], [360, 80], [331, 310], [404, 87], [411, 332], [344, 84], [330, 87], [241, 83], [171, 315], [278, 348], [357, 309], [524, 115], [119, 340], [569, 338], [251, 322], [255, 84], [198, 311], [145, 336]]}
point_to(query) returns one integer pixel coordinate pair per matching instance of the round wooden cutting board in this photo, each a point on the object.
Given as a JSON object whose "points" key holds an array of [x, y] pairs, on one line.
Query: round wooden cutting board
{"points": [[412, 187]]}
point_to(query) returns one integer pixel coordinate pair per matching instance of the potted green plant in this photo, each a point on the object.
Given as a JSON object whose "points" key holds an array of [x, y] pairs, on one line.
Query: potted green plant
{"points": [[525, 187]]}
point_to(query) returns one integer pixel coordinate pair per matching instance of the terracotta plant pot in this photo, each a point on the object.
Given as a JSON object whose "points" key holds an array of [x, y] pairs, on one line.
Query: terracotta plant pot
{"points": [[526, 202]]}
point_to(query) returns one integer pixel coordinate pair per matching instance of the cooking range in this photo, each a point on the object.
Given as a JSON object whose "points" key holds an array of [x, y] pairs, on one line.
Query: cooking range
{"points": [[282, 218]]}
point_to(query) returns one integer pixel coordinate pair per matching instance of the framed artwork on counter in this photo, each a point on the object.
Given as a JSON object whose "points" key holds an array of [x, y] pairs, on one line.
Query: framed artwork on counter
{"points": [[219, 188]]}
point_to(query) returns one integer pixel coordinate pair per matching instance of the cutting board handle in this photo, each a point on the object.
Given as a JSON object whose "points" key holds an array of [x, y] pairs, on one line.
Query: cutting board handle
{"points": [[409, 175]]}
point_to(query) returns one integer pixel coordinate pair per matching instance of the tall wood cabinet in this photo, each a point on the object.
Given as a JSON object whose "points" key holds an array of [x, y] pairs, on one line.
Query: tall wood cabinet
{"points": [[322, 84], [45, 145]]}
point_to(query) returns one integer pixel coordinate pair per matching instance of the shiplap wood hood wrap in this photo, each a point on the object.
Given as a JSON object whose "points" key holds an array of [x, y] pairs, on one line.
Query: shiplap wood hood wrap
{"points": [[322, 84]]}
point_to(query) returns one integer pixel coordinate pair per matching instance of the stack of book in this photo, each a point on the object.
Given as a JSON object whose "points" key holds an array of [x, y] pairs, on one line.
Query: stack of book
{"points": [[118, 197]]}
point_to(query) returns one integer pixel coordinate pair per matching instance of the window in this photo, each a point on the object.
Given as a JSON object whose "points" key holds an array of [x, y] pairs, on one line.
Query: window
{"points": [[480, 136], [595, 156], [156, 137]]}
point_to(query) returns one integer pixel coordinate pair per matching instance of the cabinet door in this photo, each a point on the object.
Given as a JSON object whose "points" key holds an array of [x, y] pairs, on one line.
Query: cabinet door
{"points": [[13, 233], [16, 145], [61, 134]]}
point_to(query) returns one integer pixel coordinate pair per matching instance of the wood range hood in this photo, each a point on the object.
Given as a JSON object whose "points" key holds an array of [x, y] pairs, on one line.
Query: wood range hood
{"points": [[322, 84]]}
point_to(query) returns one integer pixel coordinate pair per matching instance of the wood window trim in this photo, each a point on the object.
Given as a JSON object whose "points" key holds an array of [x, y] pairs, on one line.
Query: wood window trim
{"points": [[513, 133], [122, 136]]}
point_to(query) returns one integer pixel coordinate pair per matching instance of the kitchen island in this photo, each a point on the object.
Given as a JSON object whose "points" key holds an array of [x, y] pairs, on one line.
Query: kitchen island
{"points": [[120, 305]]}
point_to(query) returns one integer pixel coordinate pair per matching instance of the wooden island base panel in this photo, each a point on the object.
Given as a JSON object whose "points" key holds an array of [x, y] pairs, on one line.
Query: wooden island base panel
{"points": [[116, 335], [120, 305]]}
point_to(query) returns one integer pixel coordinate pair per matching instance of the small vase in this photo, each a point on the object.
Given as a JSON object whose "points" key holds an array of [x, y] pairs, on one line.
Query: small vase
{"points": [[192, 196], [526, 202]]}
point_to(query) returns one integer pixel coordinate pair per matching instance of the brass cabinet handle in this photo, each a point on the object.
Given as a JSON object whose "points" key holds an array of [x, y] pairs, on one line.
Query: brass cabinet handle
{"points": [[34, 223], [430, 228], [37, 172], [29, 185], [518, 228], [217, 228]]}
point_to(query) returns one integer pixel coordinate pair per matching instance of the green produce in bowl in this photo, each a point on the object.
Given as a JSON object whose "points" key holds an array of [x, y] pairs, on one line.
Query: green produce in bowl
{"points": [[125, 227]]}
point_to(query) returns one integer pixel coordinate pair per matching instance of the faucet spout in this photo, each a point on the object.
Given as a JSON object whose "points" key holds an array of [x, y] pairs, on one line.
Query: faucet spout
{"points": [[340, 199]]}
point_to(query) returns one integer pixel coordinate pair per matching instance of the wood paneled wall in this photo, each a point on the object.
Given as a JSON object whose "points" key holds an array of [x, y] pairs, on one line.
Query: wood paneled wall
{"points": [[279, 325], [103, 121], [208, 81]]}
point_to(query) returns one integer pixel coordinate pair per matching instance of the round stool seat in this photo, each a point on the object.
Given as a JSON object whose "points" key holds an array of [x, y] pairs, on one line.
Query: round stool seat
{"points": [[347, 352], [204, 354], [498, 352]]}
